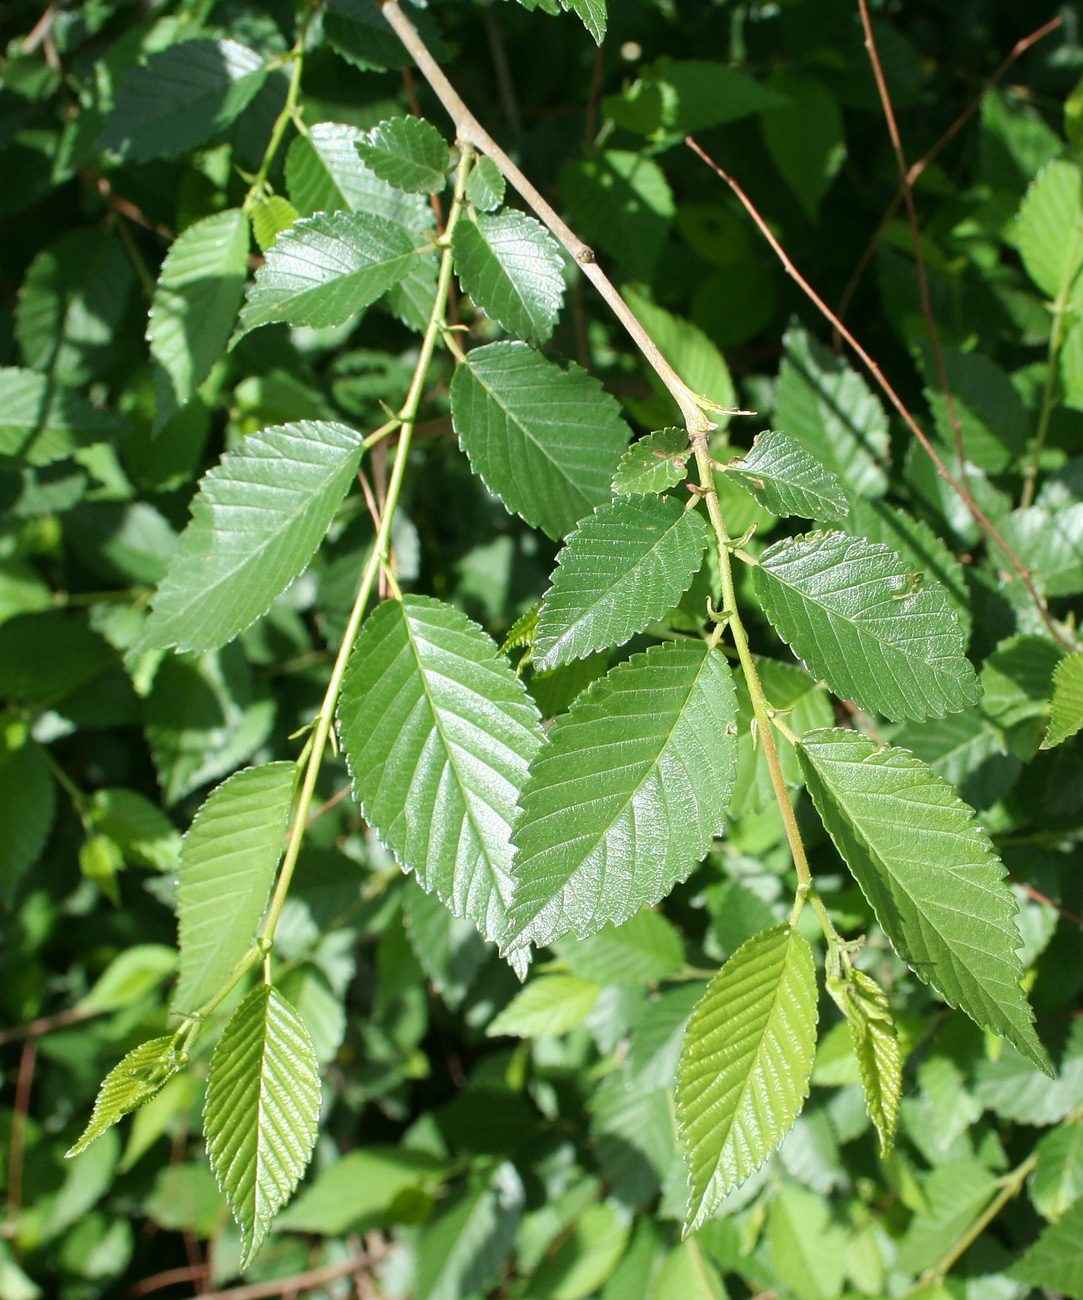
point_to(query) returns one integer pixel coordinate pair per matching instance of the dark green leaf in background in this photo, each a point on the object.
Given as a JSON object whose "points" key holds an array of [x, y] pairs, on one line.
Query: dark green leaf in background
{"points": [[41, 421]]}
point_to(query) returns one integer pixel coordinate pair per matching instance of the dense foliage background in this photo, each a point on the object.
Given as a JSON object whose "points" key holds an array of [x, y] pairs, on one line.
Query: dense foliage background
{"points": [[535, 1157]]}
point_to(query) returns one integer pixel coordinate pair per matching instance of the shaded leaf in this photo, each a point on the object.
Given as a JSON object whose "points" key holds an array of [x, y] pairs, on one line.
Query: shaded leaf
{"points": [[42, 422], [551, 1004], [805, 138], [137, 1078], [848, 608], [228, 862], [262, 1111], [258, 518], [622, 567], [545, 440], [745, 1065], [930, 873], [27, 809], [438, 734], [782, 476], [326, 268], [182, 96], [643, 950], [1057, 1181], [1055, 1261], [464, 1250], [407, 152], [628, 794], [512, 268]]}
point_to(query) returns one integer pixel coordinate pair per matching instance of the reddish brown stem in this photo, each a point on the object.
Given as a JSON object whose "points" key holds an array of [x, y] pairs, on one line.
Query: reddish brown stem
{"points": [[1031, 892], [260, 1290], [980, 518], [1018, 49], [46, 1025], [17, 1145]]}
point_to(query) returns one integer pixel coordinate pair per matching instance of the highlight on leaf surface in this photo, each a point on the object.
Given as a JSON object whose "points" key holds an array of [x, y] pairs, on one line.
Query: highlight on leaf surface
{"points": [[785, 478], [628, 794], [876, 1045], [857, 618], [407, 152], [745, 1065], [262, 1111], [930, 874], [654, 463], [137, 1078], [1066, 707], [623, 566], [512, 268]]}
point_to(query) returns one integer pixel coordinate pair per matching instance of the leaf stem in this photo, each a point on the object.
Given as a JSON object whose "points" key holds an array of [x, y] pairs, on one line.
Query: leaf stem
{"points": [[316, 746], [760, 706], [470, 131], [289, 112]]}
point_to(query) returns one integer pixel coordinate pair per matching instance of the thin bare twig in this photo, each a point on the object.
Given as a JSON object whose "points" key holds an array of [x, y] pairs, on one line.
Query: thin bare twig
{"points": [[326, 807], [983, 521], [46, 1024], [913, 172], [1031, 892], [17, 1143], [915, 234], [261, 1290], [504, 82], [597, 81]]}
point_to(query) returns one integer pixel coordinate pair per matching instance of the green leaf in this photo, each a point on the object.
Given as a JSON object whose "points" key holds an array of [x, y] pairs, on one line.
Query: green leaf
{"points": [[448, 948], [831, 411], [930, 873], [74, 304], [688, 1274], [438, 734], [954, 1195], [407, 152], [1066, 708], [143, 832], [358, 1192], [464, 1250], [654, 463], [258, 518], [967, 751], [180, 97], [593, 14], [551, 1004], [805, 138], [262, 1111], [41, 422], [672, 98], [993, 423], [27, 807], [745, 1065], [1055, 1261], [808, 1250], [643, 950], [512, 268], [137, 1078], [690, 352], [876, 1045], [129, 977], [1017, 683], [227, 866], [1057, 1181], [620, 201], [1048, 226], [622, 567], [848, 609], [782, 476], [324, 173], [544, 440], [46, 656], [1014, 1090], [195, 303], [1049, 541], [270, 216], [486, 185], [584, 1258], [628, 794], [326, 268]]}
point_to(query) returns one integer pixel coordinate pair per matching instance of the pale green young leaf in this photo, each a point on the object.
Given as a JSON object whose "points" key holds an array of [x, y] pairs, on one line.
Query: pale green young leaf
{"points": [[270, 216], [782, 476], [830, 409], [227, 866], [512, 268], [687, 1273], [690, 352], [876, 1045], [622, 567], [745, 1065], [407, 152], [1055, 1261], [1047, 229], [1057, 1181], [326, 268], [180, 97], [807, 1249], [544, 440], [195, 303], [1066, 708], [356, 1193], [486, 187], [137, 1078], [41, 422], [849, 609], [643, 950], [551, 1004], [930, 873], [324, 173], [654, 463], [627, 796], [438, 734], [256, 522], [262, 1111]]}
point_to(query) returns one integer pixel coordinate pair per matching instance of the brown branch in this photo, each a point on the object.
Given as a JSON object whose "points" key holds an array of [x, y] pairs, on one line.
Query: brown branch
{"points": [[915, 234], [260, 1290], [597, 82], [122, 205], [171, 1277], [505, 83], [980, 517], [46, 1025], [333, 802], [1031, 892], [17, 1143], [1020, 48]]}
